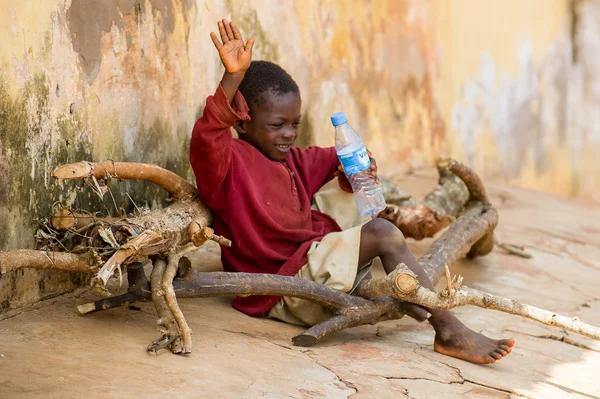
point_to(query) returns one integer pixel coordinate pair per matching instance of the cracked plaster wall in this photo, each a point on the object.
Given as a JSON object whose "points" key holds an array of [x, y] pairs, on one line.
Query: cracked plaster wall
{"points": [[509, 86]]}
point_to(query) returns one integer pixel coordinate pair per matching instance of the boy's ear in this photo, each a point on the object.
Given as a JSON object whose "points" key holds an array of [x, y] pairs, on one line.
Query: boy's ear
{"points": [[240, 127]]}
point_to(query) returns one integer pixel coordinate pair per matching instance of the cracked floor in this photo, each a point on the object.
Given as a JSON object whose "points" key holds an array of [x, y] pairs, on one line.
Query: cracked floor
{"points": [[51, 351]]}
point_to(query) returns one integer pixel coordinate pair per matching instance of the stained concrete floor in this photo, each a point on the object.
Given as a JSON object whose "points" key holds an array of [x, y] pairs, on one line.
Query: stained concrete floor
{"points": [[50, 351]]}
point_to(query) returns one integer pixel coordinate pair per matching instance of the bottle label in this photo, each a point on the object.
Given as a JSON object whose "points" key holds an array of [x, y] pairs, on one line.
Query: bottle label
{"points": [[356, 161]]}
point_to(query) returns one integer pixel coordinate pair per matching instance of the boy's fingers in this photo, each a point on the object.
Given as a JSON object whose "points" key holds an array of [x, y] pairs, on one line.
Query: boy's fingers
{"points": [[228, 30], [222, 31], [249, 44], [215, 41], [236, 32]]}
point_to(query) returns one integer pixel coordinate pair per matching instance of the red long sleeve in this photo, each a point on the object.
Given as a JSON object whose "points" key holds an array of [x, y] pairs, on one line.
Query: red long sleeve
{"points": [[262, 205], [211, 143]]}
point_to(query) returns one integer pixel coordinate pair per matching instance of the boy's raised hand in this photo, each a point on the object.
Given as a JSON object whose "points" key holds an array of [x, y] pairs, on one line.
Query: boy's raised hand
{"points": [[235, 55]]}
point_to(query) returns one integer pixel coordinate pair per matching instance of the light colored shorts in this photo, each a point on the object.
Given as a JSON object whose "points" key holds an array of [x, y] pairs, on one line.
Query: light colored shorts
{"points": [[332, 261]]}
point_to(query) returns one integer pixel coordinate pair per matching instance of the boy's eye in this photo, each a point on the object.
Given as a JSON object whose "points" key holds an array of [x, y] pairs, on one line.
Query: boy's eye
{"points": [[276, 124], [296, 124]]}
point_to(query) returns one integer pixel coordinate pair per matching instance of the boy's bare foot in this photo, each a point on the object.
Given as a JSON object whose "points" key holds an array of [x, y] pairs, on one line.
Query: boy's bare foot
{"points": [[463, 343]]}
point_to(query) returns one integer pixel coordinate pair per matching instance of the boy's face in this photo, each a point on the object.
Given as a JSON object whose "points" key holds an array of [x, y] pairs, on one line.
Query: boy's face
{"points": [[274, 125]]}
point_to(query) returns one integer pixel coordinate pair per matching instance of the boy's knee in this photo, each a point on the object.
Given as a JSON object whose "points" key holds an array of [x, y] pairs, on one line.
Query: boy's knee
{"points": [[384, 232]]}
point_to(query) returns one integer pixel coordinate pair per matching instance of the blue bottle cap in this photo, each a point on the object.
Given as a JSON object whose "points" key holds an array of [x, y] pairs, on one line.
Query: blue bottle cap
{"points": [[338, 118]]}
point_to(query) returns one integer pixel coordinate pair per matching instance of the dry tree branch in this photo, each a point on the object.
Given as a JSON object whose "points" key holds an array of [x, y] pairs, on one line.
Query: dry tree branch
{"points": [[169, 295], [469, 177], [457, 241], [349, 310], [200, 235], [402, 283], [450, 195], [416, 222], [138, 290], [170, 333], [65, 218], [125, 252], [207, 285], [12, 260], [175, 185], [385, 308]]}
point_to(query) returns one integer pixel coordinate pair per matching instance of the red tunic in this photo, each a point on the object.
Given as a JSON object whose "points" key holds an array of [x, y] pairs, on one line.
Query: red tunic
{"points": [[262, 205]]}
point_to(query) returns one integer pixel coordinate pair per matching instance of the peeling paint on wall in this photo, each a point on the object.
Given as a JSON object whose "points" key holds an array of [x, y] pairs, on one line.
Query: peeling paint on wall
{"points": [[524, 117]]}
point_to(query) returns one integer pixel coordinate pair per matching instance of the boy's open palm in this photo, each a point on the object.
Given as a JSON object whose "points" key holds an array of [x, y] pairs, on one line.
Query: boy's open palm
{"points": [[235, 55]]}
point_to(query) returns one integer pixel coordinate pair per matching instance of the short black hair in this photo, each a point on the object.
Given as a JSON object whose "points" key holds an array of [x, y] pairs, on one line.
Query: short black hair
{"points": [[263, 77]]}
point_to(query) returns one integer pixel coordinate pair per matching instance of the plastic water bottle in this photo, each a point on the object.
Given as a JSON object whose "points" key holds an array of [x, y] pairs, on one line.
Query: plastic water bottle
{"points": [[354, 159]]}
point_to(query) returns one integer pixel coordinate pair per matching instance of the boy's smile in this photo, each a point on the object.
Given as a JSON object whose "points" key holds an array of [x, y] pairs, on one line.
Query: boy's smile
{"points": [[274, 124]]}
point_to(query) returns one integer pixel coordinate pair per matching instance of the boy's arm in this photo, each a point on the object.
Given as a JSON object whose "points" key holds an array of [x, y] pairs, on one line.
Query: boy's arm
{"points": [[318, 166], [211, 143]]}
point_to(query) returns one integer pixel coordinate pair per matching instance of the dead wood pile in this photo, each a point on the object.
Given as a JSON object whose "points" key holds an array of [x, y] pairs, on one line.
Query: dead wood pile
{"points": [[82, 242]]}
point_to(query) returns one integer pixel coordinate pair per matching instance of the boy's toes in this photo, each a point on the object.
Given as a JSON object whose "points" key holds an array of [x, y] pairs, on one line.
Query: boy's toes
{"points": [[488, 359], [496, 355]]}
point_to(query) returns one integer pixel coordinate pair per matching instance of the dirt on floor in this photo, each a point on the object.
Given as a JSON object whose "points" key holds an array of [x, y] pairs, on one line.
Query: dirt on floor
{"points": [[50, 351]]}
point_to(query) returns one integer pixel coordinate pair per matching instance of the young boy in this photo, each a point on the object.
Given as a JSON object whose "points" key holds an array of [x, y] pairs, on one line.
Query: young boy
{"points": [[260, 189]]}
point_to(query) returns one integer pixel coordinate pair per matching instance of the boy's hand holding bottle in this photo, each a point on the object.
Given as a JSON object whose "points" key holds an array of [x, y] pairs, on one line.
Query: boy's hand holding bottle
{"points": [[358, 166]]}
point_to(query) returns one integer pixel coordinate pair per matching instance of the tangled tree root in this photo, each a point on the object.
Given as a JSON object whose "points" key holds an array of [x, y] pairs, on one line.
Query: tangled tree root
{"points": [[86, 243]]}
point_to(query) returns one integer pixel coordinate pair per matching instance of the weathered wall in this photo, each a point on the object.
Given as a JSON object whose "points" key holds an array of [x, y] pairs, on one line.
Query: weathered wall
{"points": [[511, 87], [519, 89]]}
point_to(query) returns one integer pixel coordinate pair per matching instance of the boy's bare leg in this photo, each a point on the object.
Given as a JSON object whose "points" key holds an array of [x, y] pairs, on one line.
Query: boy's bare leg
{"points": [[380, 238]]}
